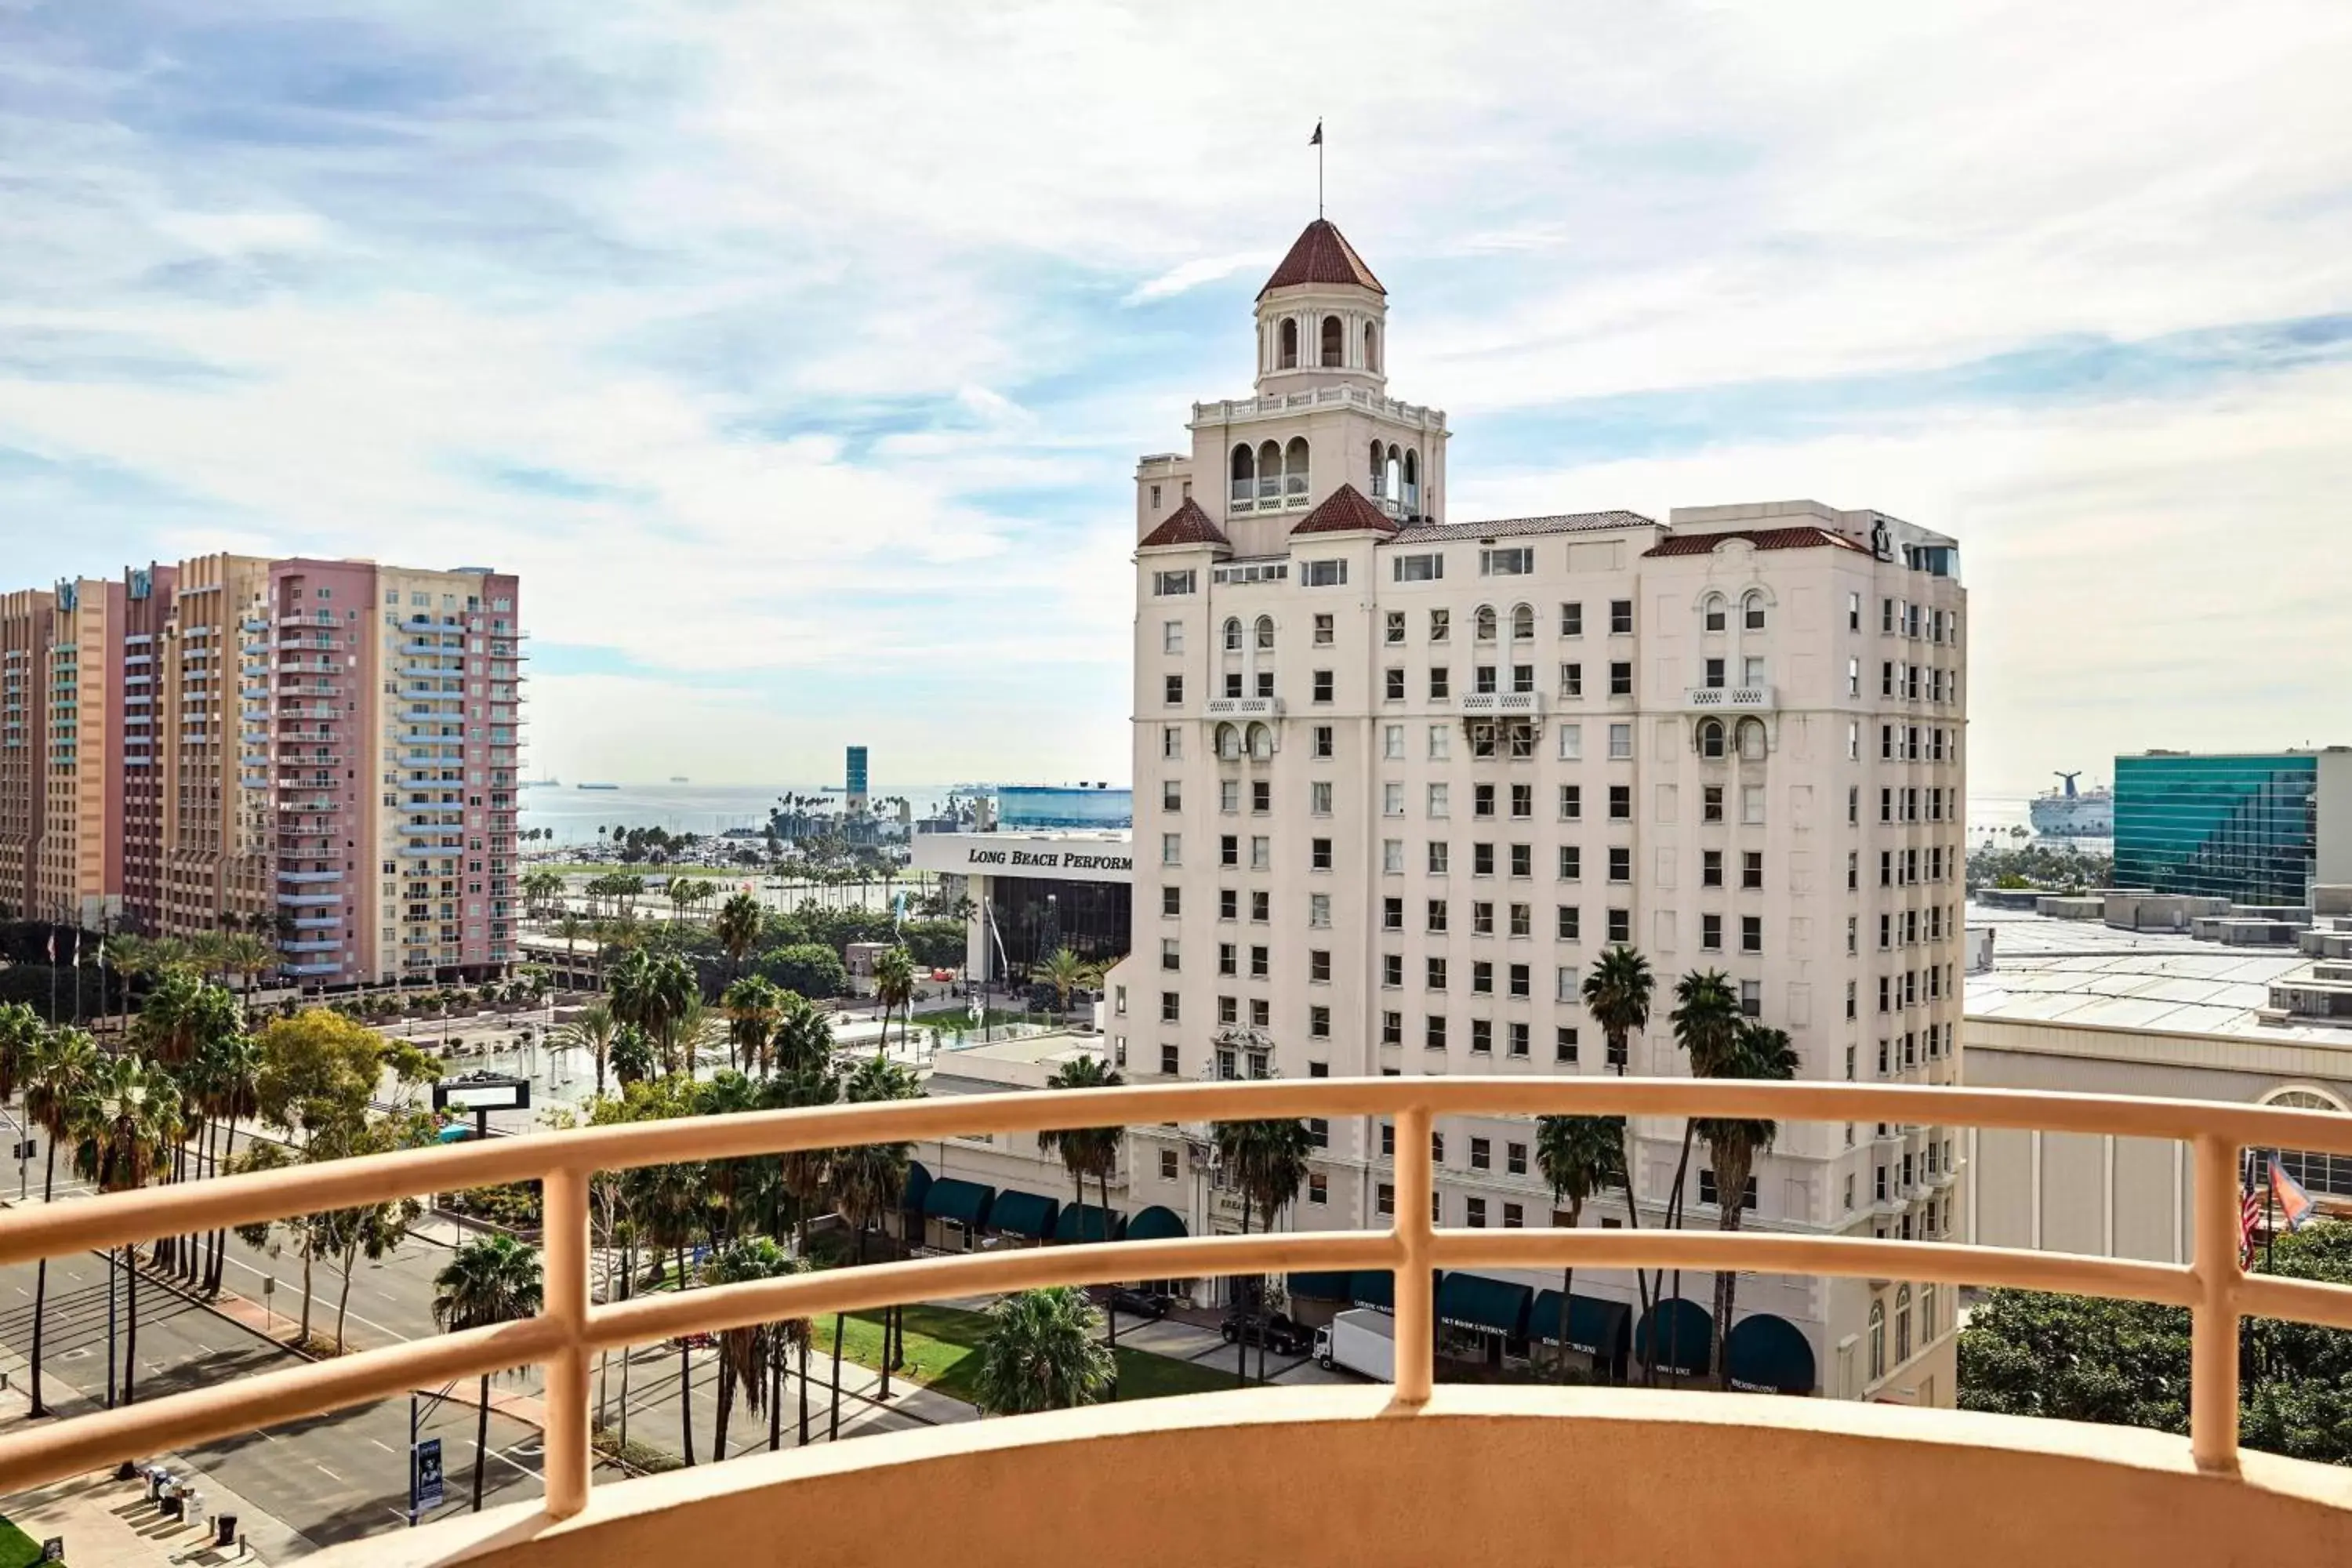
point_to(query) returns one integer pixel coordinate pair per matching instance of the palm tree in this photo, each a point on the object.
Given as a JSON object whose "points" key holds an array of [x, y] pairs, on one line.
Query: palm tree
{"points": [[226, 1070], [493, 1279], [738, 929], [57, 1078], [1039, 1353], [803, 1038], [1267, 1161], [753, 1004], [247, 955], [894, 986], [1707, 1023], [746, 1355], [1758, 1051], [633, 1055], [1617, 995], [541, 888], [1578, 1156], [1087, 1150], [1065, 971], [571, 928], [686, 1035], [20, 1037], [652, 991], [126, 1116], [869, 1181], [593, 1031]]}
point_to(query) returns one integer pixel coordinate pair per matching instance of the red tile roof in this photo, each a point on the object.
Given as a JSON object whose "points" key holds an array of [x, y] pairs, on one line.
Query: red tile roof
{"points": [[1808, 538], [1187, 524], [1345, 510], [1321, 254]]}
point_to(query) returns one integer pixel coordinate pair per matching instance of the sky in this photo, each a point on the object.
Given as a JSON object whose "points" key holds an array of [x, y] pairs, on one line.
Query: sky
{"points": [[798, 356]]}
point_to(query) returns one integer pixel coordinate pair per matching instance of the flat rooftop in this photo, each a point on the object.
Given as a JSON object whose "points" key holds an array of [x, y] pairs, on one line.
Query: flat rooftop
{"points": [[2088, 973]]}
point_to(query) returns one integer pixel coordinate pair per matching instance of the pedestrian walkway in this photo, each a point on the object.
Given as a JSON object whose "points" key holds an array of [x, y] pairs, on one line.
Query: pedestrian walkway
{"points": [[108, 1523]]}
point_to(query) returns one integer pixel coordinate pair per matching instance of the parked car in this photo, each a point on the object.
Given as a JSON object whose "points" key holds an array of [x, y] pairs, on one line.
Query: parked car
{"points": [[1149, 1304], [1283, 1334]]}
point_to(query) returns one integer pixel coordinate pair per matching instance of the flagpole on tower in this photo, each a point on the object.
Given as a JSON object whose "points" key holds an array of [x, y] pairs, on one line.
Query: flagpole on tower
{"points": [[1317, 141]]}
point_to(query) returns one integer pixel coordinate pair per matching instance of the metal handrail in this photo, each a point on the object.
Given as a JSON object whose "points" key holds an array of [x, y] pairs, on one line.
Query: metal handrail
{"points": [[2214, 1287]]}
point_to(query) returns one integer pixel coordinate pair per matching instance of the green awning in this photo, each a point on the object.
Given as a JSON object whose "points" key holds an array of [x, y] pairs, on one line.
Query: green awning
{"points": [[1158, 1223], [1597, 1326], [919, 1183], [1768, 1354], [1488, 1305], [1088, 1222], [1331, 1287], [1377, 1287], [952, 1197], [1024, 1214], [1683, 1333]]}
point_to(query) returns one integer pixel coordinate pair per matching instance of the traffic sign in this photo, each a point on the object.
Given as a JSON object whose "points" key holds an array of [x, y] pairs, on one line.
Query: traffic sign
{"points": [[428, 1485]]}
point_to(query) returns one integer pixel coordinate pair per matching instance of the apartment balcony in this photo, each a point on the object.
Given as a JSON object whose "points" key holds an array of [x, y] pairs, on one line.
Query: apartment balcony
{"points": [[1405, 1472], [310, 876], [308, 900], [429, 851], [316, 923], [1245, 708], [310, 969], [1505, 703], [330, 945], [1715, 699]]}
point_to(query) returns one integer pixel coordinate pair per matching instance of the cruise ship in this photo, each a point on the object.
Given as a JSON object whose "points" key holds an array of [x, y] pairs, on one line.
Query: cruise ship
{"points": [[2069, 813]]}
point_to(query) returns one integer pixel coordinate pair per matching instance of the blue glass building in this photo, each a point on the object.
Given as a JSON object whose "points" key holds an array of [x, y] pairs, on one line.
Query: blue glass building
{"points": [[1034, 806], [2252, 828]]}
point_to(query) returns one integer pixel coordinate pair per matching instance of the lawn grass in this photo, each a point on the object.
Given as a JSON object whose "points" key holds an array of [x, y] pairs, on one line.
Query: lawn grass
{"points": [[942, 1353], [17, 1550]]}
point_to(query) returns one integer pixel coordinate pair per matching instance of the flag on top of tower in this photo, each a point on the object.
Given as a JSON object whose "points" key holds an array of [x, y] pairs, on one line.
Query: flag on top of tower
{"points": [[1316, 139]]}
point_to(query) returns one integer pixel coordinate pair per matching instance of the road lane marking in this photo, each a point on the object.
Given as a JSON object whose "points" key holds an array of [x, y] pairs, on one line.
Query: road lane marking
{"points": [[324, 1471], [384, 1446]]}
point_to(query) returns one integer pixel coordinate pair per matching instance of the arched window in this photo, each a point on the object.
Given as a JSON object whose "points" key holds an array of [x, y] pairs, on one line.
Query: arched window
{"points": [[1752, 739], [1335, 342], [1710, 738], [1877, 1342], [1902, 1325], [1229, 741], [1244, 479], [1485, 623], [1269, 472], [1261, 742], [1372, 347], [1711, 613], [1294, 468], [1523, 623], [1288, 359], [1751, 611], [1380, 471], [1266, 633], [1411, 494], [1395, 475], [1234, 635]]}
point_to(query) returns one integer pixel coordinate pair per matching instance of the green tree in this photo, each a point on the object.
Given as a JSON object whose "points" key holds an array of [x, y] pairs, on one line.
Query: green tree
{"points": [[1039, 1353], [20, 1040], [894, 987], [1707, 1022], [1087, 1150], [1267, 1161], [126, 1117], [247, 956], [1578, 1156], [494, 1280], [652, 993], [868, 1180], [748, 1355], [594, 1031], [58, 1076], [226, 1073], [1732, 1144], [1617, 995], [753, 1005], [810, 969], [1067, 974], [738, 929], [803, 1038], [633, 1059]]}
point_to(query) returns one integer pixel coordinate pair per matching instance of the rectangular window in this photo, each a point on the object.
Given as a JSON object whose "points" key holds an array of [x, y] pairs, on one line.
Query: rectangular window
{"points": [[1392, 969], [1520, 1036], [1436, 914], [1171, 637], [1620, 742], [1435, 977], [1169, 1066], [1260, 907], [1519, 982], [1433, 1034], [1751, 804], [1392, 1028], [1440, 687], [1482, 976], [1482, 800], [1571, 863], [1571, 743], [1319, 966], [1318, 1023], [1427, 568], [1394, 629], [1261, 959], [1523, 859], [1621, 927], [1322, 686], [1393, 684], [1319, 797], [1170, 1008], [1172, 743], [1512, 561], [1318, 911], [1563, 1043], [1437, 857], [1482, 1156], [1318, 855], [1438, 800], [1571, 620], [1392, 914], [1482, 918], [1621, 863], [1261, 852], [1564, 981], [1523, 801], [1441, 625], [1482, 859], [1173, 585], [1621, 679], [1171, 902], [1571, 680], [1567, 923], [1392, 743], [1441, 742], [1710, 933], [1319, 1190], [1171, 794], [1174, 690], [1168, 958], [1392, 856], [1751, 869], [1322, 629], [1710, 868], [1621, 803], [1482, 1037], [1392, 799], [1621, 618], [1522, 920], [1751, 933], [1322, 740], [1323, 574]]}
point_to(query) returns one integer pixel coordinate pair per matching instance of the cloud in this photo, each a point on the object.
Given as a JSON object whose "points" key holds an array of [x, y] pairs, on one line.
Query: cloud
{"points": [[799, 361]]}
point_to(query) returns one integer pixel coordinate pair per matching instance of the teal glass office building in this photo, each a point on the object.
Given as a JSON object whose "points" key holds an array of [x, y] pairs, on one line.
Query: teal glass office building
{"points": [[2252, 828]]}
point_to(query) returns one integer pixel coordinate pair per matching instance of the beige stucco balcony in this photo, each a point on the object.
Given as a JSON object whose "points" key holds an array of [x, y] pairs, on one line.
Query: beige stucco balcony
{"points": [[1405, 1473]]}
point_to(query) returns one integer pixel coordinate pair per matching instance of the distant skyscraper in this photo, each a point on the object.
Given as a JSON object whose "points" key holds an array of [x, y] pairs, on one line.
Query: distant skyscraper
{"points": [[857, 780]]}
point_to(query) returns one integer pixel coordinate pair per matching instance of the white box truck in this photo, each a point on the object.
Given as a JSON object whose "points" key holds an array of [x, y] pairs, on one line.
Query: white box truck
{"points": [[1363, 1341]]}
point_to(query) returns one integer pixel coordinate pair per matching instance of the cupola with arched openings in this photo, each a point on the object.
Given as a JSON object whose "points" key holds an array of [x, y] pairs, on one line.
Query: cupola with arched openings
{"points": [[1322, 316]]}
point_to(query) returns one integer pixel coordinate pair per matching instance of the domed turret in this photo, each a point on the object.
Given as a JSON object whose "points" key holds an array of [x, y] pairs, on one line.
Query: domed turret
{"points": [[1322, 317]]}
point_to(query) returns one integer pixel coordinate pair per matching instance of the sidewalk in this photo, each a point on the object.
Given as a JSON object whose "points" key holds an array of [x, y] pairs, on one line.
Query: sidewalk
{"points": [[109, 1524]]}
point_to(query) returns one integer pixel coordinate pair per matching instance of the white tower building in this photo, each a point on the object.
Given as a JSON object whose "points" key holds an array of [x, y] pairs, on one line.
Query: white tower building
{"points": [[1401, 781]]}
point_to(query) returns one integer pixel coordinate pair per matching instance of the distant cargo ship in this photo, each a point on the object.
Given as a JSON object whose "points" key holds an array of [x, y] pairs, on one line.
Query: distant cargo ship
{"points": [[2069, 813], [542, 783], [595, 787], [679, 778]]}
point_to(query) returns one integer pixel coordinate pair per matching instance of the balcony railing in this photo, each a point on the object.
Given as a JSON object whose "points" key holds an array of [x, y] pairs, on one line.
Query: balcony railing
{"points": [[1714, 698], [2215, 1289]]}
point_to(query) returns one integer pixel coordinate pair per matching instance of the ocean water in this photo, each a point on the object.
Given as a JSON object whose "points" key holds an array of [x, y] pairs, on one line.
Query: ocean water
{"points": [[576, 815]]}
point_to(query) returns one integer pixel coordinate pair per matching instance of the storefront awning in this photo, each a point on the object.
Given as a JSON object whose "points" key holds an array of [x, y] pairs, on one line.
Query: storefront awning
{"points": [[952, 1197], [1769, 1354], [1683, 1333], [919, 1183], [1377, 1287], [1477, 1302], [1088, 1222], [1331, 1287], [1024, 1214], [1158, 1223], [1597, 1326]]}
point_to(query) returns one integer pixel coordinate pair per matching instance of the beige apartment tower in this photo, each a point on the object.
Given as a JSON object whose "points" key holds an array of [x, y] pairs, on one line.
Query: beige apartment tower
{"points": [[1400, 780]]}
